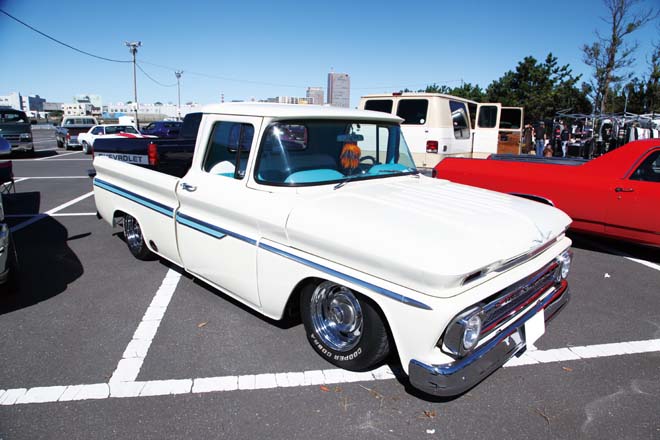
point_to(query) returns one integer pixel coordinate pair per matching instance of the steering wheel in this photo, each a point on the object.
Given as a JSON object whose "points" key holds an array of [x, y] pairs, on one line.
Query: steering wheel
{"points": [[373, 159]]}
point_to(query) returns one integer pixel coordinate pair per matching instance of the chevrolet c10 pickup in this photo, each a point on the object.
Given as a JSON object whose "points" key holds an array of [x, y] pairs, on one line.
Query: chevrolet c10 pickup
{"points": [[321, 211]]}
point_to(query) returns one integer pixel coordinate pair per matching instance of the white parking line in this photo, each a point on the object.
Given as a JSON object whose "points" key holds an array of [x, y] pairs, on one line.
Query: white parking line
{"points": [[51, 177], [38, 217], [121, 389], [58, 155], [129, 366]]}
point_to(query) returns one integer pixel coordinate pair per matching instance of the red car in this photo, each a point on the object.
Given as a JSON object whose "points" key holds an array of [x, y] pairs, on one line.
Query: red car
{"points": [[616, 195]]}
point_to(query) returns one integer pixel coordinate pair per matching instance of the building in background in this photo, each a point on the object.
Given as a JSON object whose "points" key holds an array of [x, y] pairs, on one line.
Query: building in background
{"points": [[149, 112], [33, 103], [315, 95], [339, 89], [13, 100], [52, 106], [86, 98], [77, 109]]}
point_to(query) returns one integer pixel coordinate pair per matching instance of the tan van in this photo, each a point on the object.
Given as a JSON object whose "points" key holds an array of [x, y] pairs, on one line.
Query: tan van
{"points": [[437, 125]]}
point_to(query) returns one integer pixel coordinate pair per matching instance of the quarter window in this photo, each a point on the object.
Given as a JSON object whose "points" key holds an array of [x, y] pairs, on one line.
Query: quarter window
{"points": [[413, 111], [228, 149], [379, 105], [459, 119]]}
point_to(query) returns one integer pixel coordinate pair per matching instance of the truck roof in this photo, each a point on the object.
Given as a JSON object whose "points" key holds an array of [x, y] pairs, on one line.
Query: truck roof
{"points": [[416, 95], [295, 111]]}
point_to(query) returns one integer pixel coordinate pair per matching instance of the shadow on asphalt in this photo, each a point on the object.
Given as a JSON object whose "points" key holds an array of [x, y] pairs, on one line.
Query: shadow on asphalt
{"points": [[614, 247], [46, 264], [22, 203]]}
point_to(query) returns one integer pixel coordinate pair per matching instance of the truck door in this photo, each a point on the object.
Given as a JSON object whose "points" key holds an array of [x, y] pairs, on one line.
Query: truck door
{"points": [[487, 127], [635, 211], [216, 230], [510, 135]]}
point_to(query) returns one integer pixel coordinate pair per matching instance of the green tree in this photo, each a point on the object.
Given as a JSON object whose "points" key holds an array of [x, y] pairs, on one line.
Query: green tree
{"points": [[469, 91], [609, 56], [542, 89]]}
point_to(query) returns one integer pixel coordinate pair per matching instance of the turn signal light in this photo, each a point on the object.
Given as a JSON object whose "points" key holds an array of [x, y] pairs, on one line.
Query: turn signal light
{"points": [[432, 147]]}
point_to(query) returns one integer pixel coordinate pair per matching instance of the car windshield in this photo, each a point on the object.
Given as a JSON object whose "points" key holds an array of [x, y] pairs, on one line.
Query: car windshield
{"points": [[114, 129], [301, 153], [13, 116]]}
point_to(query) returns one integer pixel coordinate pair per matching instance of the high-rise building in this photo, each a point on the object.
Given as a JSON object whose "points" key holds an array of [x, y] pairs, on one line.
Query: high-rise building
{"points": [[315, 95], [339, 89]]}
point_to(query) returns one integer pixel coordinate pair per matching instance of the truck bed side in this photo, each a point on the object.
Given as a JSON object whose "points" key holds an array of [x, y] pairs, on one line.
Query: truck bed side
{"points": [[172, 156]]}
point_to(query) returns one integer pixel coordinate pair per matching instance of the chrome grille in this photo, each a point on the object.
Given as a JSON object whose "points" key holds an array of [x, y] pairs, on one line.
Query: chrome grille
{"points": [[12, 137], [507, 303]]}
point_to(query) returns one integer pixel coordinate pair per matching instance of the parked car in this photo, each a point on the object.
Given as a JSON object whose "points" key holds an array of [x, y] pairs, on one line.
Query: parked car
{"points": [[15, 127], [616, 195], [106, 131], [163, 129], [323, 208], [67, 133]]}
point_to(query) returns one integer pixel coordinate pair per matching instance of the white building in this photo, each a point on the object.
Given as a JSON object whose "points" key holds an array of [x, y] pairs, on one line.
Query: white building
{"points": [[339, 89], [13, 100], [155, 110], [95, 100], [77, 109], [315, 95]]}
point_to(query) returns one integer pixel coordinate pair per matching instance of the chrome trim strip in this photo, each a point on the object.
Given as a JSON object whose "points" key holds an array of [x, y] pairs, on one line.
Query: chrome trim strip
{"points": [[151, 204], [387, 293], [200, 226]]}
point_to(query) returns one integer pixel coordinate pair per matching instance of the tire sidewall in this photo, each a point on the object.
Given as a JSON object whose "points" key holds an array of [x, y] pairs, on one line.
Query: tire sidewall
{"points": [[141, 251], [369, 351]]}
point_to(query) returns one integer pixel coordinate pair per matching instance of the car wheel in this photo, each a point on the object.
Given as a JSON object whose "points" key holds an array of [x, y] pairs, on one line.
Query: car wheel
{"points": [[59, 144], [66, 146], [343, 326], [85, 148], [134, 238]]}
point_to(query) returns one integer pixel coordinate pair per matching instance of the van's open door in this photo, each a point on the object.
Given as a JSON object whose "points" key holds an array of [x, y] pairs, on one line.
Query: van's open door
{"points": [[511, 126], [487, 126]]}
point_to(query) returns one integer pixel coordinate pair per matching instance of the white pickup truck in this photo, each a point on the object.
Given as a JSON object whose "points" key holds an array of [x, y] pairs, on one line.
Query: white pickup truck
{"points": [[321, 210]]}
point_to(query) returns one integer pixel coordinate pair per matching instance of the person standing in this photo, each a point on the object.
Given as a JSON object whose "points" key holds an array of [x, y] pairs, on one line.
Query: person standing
{"points": [[540, 139]]}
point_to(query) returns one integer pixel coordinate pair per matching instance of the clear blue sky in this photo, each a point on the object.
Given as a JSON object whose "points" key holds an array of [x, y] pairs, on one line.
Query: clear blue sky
{"points": [[270, 48]]}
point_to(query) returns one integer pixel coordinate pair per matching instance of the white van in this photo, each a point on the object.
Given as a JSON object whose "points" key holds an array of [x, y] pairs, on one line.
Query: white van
{"points": [[437, 125]]}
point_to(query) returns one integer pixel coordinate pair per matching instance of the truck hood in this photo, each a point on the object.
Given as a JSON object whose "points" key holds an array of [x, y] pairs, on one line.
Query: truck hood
{"points": [[421, 233]]}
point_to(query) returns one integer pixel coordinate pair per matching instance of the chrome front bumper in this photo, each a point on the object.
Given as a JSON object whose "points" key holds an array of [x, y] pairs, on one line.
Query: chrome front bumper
{"points": [[459, 376]]}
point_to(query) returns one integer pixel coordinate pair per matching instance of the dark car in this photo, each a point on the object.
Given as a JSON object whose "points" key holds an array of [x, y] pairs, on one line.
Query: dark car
{"points": [[16, 129], [162, 129]]}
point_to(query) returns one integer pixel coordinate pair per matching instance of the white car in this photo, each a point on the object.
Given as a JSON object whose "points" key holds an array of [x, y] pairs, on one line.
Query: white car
{"points": [[106, 131], [321, 210]]}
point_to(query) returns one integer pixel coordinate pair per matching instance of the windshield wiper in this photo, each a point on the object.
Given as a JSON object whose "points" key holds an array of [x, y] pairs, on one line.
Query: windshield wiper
{"points": [[345, 181]]}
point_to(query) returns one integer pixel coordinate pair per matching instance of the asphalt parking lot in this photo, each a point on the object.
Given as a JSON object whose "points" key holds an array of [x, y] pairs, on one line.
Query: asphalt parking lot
{"points": [[195, 364]]}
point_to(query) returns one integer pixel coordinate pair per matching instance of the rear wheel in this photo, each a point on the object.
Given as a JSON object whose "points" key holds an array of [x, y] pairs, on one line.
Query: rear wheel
{"points": [[85, 148], [343, 326], [134, 239], [59, 144]]}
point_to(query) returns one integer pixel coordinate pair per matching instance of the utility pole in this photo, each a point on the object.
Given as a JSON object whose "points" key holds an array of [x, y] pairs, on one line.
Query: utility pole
{"points": [[178, 73], [133, 47]]}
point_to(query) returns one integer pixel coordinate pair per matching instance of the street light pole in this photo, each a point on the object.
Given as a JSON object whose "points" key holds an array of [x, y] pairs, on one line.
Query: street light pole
{"points": [[133, 47], [178, 73]]}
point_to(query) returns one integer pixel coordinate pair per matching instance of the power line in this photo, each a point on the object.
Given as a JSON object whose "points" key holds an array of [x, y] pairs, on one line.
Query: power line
{"points": [[61, 42], [153, 79]]}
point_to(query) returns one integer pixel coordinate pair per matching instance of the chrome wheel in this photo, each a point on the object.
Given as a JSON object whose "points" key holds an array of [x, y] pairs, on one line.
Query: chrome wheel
{"points": [[336, 316], [132, 232]]}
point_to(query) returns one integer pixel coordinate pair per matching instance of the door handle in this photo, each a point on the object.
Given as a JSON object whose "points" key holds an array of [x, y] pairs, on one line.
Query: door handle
{"points": [[624, 190], [188, 187]]}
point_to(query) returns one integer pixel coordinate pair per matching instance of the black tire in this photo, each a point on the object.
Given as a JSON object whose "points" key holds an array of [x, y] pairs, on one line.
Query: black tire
{"points": [[66, 146], [60, 144], [362, 352], [85, 148], [135, 239]]}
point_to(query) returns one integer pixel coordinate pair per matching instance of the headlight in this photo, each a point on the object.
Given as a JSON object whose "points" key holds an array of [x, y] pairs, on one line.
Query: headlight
{"points": [[26, 136], [471, 332], [564, 261], [462, 334]]}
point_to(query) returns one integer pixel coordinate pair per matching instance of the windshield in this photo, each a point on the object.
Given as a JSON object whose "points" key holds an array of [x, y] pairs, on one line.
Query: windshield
{"points": [[301, 153], [13, 116]]}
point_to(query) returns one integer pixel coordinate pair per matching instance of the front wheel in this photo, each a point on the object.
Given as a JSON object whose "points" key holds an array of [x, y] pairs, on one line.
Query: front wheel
{"points": [[134, 239], [343, 326]]}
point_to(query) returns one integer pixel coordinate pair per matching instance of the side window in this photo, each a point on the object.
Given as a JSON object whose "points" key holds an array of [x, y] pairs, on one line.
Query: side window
{"points": [[228, 149], [97, 131], [413, 111], [510, 119], [459, 119], [649, 170], [487, 116], [379, 105]]}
